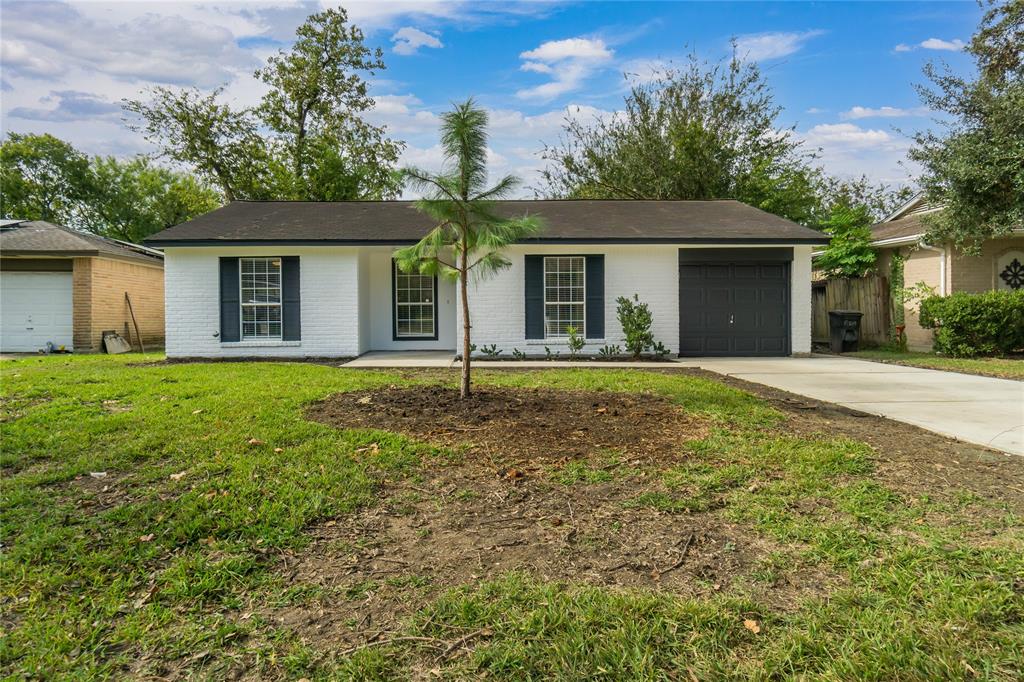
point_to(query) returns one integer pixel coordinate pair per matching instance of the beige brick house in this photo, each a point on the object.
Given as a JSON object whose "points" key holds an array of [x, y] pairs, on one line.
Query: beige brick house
{"points": [[941, 267], [65, 287]]}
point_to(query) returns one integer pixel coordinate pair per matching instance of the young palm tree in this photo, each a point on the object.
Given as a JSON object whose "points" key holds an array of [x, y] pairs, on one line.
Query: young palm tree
{"points": [[469, 235]]}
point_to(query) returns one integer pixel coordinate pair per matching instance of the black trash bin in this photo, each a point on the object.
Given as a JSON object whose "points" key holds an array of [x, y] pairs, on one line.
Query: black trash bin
{"points": [[844, 330]]}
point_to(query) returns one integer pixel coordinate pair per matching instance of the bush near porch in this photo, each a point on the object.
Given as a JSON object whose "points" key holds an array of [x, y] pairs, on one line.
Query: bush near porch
{"points": [[969, 325]]}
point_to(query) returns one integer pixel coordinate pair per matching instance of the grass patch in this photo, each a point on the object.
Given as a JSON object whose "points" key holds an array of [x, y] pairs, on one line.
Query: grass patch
{"points": [[1003, 368], [212, 476]]}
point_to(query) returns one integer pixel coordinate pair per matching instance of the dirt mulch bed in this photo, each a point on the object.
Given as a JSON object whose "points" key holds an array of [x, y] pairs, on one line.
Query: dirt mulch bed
{"points": [[514, 425]]}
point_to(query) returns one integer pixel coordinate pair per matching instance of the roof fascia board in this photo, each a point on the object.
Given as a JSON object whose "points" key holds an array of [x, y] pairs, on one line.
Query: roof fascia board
{"points": [[165, 244]]}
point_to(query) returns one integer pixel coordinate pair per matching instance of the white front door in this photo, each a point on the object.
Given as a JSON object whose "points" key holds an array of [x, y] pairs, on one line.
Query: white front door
{"points": [[35, 307]]}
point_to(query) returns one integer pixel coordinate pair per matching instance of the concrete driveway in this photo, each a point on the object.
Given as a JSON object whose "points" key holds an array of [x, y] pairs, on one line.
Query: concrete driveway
{"points": [[980, 410]]}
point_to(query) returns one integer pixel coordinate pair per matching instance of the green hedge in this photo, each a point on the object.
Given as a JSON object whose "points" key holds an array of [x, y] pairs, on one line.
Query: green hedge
{"points": [[976, 324]]}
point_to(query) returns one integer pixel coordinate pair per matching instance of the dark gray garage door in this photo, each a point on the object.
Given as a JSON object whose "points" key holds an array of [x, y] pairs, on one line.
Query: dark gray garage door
{"points": [[734, 301]]}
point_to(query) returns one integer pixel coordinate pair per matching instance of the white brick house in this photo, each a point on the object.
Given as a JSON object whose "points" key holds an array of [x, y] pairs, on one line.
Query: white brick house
{"points": [[303, 279]]}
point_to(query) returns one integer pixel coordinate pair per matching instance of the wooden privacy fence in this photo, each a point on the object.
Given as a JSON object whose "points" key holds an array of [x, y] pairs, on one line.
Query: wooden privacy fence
{"points": [[869, 295]]}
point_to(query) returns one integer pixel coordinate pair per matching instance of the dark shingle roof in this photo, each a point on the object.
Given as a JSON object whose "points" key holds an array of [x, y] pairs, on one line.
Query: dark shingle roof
{"points": [[567, 221], [39, 238], [910, 226]]}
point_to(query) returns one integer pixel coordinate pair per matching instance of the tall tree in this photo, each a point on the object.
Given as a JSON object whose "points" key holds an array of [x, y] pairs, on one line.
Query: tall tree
{"points": [[974, 164], [131, 200], [42, 178], [703, 131], [307, 139], [470, 235], [221, 144]]}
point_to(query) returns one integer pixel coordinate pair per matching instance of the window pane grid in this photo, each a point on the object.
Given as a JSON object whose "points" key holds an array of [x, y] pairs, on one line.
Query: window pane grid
{"points": [[564, 295], [414, 304], [261, 298]]}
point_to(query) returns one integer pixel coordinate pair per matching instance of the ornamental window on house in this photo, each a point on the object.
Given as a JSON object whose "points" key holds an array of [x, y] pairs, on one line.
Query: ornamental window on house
{"points": [[415, 305], [260, 281], [564, 295]]}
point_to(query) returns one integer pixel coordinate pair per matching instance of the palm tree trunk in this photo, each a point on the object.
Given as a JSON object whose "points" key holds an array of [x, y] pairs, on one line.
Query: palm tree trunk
{"points": [[464, 293]]}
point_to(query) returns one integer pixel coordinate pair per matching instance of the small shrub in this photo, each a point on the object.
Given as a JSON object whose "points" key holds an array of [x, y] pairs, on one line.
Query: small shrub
{"points": [[966, 325], [609, 352], [491, 351], [550, 354], [518, 354], [659, 349], [574, 341], [636, 320]]}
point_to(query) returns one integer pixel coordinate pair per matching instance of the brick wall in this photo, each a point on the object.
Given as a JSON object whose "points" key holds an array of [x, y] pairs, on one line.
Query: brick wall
{"points": [[328, 287], [497, 308], [975, 274], [81, 305], [98, 289], [925, 266]]}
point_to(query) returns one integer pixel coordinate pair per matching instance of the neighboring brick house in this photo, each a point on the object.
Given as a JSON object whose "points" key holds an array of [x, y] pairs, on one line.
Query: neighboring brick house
{"points": [[295, 279], [941, 267], [66, 287]]}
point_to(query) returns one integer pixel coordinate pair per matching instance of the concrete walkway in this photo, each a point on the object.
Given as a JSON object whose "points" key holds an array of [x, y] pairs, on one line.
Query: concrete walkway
{"points": [[980, 410]]}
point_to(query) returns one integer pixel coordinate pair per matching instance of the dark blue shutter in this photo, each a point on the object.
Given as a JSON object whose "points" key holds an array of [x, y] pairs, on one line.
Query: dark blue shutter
{"points": [[595, 297], [534, 297], [230, 305], [291, 306]]}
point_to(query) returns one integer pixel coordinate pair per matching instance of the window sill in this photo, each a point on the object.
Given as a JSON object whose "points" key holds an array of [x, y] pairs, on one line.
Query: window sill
{"points": [[260, 343]]}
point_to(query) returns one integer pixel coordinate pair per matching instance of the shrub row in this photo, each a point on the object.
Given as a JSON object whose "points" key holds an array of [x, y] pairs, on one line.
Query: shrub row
{"points": [[967, 325]]}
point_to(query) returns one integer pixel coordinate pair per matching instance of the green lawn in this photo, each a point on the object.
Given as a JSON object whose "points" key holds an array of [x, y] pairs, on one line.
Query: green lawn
{"points": [[212, 476], [1005, 368]]}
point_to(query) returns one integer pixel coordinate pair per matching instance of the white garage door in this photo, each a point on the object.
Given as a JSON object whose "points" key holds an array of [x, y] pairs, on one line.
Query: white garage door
{"points": [[35, 307]]}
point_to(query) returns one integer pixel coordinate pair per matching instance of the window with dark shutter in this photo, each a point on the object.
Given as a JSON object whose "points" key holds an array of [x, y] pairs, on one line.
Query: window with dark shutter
{"points": [[564, 291], [230, 316]]}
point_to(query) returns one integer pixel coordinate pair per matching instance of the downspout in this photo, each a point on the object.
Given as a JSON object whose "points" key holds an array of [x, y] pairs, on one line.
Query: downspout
{"points": [[941, 250]]}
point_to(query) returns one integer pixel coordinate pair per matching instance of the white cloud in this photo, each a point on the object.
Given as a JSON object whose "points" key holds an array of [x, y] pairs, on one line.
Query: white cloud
{"points": [[163, 48], [408, 40], [536, 67], [19, 59], [848, 150], [939, 44], [846, 134], [882, 112], [570, 48], [568, 62], [760, 46], [954, 45], [815, 110]]}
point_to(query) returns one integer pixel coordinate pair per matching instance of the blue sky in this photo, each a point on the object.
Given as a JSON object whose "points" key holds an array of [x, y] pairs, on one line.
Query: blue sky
{"points": [[843, 72]]}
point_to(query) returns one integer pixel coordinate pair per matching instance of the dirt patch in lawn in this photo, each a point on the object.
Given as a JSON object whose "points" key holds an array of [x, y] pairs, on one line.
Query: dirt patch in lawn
{"points": [[470, 523], [521, 426], [910, 460]]}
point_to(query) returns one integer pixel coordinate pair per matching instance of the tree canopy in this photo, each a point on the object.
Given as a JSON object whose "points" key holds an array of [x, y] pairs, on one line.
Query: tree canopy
{"points": [[44, 178], [974, 164], [702, 131], [307, 139]]}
